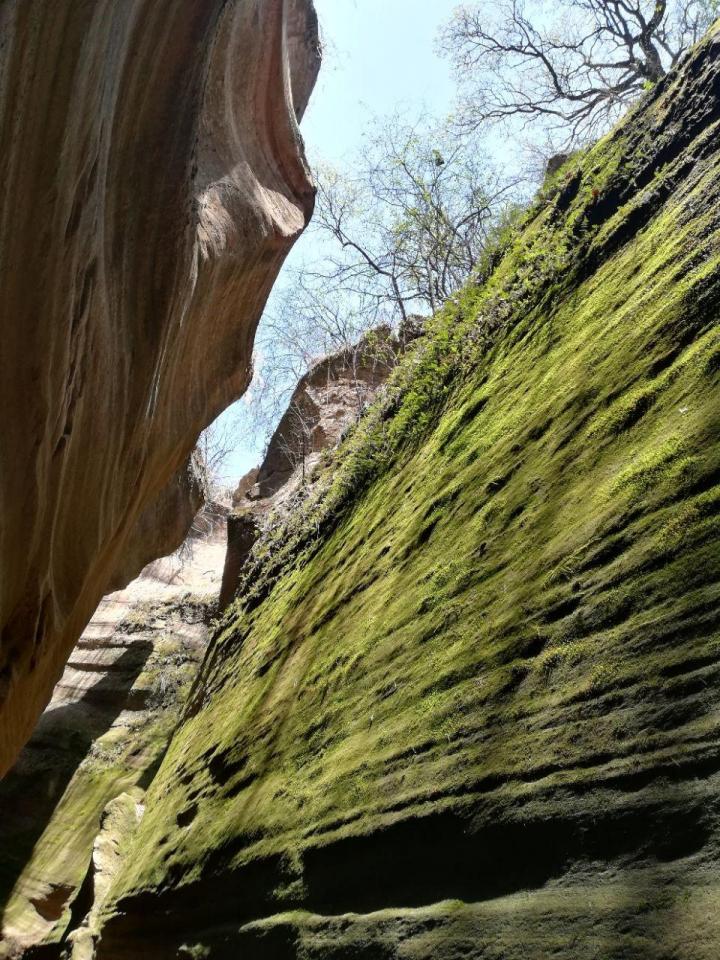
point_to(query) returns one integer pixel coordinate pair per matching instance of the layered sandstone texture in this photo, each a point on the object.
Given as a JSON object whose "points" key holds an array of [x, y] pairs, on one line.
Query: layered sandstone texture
{"points": [[73, 799], [327, 401], [152, 180], [472, 709]]}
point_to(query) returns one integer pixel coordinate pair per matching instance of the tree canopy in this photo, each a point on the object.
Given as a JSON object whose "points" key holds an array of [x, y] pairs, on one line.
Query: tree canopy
{"points": [[573, 66]]}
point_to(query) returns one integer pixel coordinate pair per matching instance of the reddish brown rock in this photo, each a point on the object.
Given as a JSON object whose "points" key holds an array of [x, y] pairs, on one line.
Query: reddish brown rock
{"points": [[152, 180], [328, 399]]}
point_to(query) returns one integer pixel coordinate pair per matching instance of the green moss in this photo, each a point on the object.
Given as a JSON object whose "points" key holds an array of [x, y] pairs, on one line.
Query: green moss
{"points": [[505, 602]]}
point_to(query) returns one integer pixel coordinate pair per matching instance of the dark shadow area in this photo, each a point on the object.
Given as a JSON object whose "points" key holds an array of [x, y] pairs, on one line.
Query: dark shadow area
{"points": [[31, 791], [242, 532], [413, 863], [418, 862]]}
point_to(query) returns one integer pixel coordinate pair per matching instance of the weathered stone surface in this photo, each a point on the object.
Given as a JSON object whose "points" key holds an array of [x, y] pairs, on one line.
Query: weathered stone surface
{"points": [[478, 714], [242, 533], [118, 824], [152, 180], [70, 803], [164, 525], [328, 399]]}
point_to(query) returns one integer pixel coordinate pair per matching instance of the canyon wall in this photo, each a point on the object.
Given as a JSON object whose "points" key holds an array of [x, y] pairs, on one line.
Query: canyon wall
{"points": [[152, 180], [469, 706], [326, 402], [76, 793]]}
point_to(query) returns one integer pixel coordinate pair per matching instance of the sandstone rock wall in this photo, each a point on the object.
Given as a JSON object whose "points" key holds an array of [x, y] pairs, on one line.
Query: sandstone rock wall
{"points": [[152, 180], [69, 805], [326, 401]]}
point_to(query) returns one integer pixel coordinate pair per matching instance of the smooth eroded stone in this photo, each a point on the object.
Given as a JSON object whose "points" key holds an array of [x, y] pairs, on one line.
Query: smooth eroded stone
{"points": [[152, 180]]}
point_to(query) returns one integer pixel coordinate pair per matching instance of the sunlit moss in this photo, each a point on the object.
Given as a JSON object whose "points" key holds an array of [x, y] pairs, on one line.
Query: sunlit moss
{"points": [[496, 594]]}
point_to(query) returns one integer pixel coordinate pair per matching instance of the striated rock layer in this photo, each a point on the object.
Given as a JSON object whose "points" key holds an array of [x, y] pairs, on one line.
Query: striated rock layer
{"points": [[71, 802], [474, 710], [152, 180]]}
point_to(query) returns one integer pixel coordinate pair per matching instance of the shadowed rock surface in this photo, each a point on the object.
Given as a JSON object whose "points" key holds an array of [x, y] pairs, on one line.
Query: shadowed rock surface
{"points": [[152, 180], [75, 795], [469, 707]]}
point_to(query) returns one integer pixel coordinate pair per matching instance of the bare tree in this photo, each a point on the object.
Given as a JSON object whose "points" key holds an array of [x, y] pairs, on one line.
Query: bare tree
{"points": [[214, 447], [573, 66], [302, 324], [296, 440], [410, 223], [394, 236], [209, 461]]}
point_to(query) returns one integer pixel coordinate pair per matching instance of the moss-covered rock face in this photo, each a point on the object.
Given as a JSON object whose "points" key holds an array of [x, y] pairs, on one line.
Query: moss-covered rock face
{"points": [[480, 716]]}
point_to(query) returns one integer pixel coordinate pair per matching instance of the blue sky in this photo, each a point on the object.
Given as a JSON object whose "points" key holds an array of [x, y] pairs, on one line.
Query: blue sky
{"points": [[380, 56]]}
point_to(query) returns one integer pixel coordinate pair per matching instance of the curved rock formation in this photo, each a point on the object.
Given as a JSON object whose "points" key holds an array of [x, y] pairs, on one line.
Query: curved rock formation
{"points": [[326, 401], [152, 179], [164, 524]]}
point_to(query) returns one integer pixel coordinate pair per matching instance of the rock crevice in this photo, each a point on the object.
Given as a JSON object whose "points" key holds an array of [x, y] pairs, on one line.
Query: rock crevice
{"points": [[69, 805]]}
